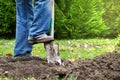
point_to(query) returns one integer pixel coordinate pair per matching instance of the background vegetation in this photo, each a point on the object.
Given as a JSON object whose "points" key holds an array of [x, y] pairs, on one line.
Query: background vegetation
{"points": [[112, 16], [73, 19], [7, 17], [81, 18]]}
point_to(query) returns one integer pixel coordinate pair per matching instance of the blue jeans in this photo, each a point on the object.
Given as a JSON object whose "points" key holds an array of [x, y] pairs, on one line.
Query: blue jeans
{"points": [[31, 21]]}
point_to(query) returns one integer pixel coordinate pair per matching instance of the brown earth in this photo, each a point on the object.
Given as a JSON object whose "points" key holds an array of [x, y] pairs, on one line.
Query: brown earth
{"points": [[104, 67]]}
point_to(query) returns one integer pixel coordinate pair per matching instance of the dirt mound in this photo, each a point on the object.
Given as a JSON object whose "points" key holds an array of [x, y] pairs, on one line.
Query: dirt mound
{"points": [[105, 67]]}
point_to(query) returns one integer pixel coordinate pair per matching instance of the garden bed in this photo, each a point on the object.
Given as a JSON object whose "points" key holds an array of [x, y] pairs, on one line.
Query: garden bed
{"points": [[104, 67]]}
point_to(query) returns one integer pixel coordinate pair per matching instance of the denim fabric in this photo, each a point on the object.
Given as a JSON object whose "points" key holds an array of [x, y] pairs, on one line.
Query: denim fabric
{"points": [[41, 21], [30, 22]]}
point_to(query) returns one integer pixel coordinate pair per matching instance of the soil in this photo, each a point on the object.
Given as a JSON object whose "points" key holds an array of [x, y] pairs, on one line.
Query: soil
{"points": [[104, 67]]}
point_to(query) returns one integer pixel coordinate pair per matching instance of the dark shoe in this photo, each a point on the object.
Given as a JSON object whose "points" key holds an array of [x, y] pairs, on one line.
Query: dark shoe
{"points": [[22, 55], [41, 39]]}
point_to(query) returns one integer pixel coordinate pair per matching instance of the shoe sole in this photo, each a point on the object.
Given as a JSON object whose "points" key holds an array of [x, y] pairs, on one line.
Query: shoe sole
{"points": [[41, 40]]}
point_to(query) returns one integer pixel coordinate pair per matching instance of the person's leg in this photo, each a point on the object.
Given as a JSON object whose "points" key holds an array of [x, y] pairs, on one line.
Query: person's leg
{"points": [[42, 17], [24, 17]]}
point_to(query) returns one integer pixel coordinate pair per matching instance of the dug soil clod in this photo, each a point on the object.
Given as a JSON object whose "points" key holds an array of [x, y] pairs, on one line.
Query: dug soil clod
{"points": [[104, 67]]}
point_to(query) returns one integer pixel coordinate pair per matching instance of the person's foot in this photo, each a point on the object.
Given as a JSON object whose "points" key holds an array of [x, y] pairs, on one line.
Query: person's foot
{"points": [[23, 55], [41, 39]]}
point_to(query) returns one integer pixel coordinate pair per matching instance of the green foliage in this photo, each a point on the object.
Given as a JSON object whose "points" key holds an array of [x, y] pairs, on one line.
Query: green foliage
{"points": [[7, 16], [79, 19], [73, 19], [112, 16]]}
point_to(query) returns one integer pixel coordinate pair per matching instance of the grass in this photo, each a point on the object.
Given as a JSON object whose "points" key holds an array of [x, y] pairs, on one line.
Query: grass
{"points": [[6, 46], [69, 49], [85, 48]]}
